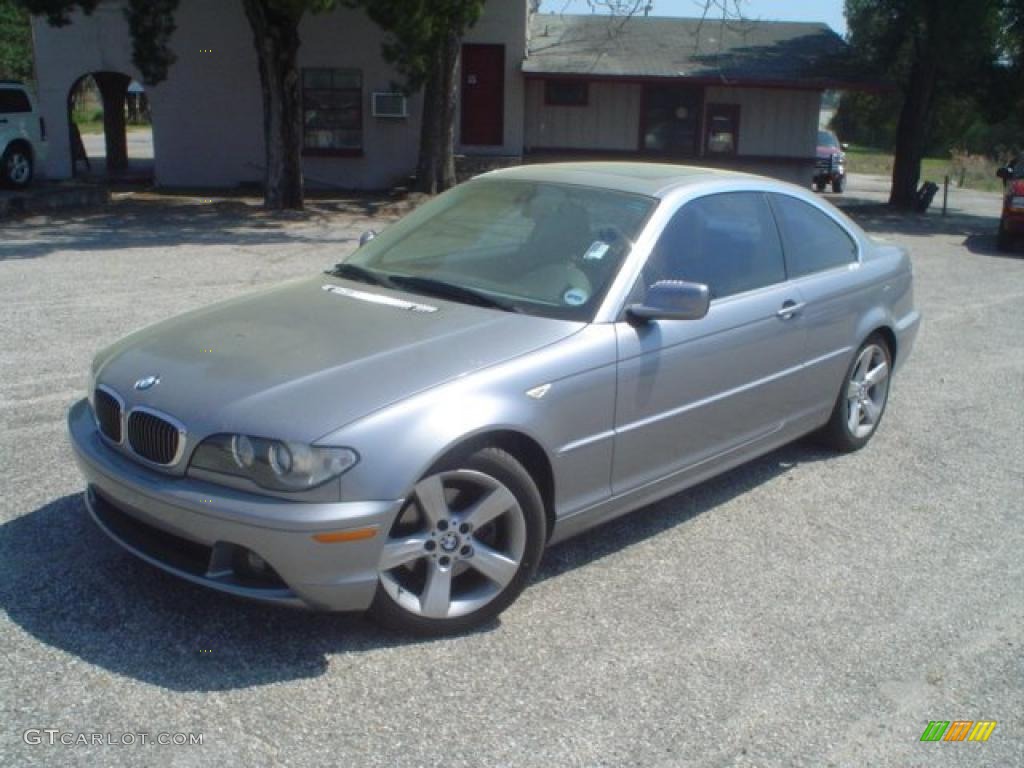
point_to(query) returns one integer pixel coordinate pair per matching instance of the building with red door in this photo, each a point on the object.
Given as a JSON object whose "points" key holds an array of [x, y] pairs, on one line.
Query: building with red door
{"points": [[531, 87]]}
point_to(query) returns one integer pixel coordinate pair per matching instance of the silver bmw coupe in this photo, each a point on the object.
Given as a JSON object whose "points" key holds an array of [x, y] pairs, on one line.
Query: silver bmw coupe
{"points": [[533, 353]]}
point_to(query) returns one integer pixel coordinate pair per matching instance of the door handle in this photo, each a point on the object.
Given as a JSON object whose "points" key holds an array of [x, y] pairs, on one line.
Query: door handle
{"points": [[3, 121], [790, 309]]}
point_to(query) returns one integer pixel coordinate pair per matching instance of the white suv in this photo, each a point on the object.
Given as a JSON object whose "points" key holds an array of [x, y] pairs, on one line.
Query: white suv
{"points": [[22, 135]]}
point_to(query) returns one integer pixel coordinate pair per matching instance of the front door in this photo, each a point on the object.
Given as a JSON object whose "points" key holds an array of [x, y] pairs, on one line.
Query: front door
{"points": [[483, 95], [690, 391], [670, 120]]}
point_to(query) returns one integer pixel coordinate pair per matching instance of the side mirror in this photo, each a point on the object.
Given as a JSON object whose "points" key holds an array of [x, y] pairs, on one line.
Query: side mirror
{"points": [[366, 237], [844, 146], [1003, 173], [672, 300]]}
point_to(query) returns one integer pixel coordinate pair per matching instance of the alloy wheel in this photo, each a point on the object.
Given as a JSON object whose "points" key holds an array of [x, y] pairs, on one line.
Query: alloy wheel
{"points": [[457, 544], [867, 391]]}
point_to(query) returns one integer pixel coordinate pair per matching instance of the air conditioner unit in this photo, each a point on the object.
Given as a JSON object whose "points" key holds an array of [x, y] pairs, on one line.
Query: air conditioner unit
{"points": [[389, 105]]}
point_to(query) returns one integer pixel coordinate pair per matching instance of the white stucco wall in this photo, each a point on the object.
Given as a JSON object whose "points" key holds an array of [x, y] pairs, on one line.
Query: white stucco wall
{"points": [[207, 116]]}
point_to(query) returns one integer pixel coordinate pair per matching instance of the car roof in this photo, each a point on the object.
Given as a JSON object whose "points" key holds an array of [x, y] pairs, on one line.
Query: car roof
{"points": [[650, 179]]}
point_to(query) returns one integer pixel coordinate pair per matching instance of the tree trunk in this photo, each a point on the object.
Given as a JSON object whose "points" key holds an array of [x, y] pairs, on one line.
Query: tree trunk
{"points": [[435, 170], [114, 92], [446, 161], [276, 37], [430, 139], [911, 135]]}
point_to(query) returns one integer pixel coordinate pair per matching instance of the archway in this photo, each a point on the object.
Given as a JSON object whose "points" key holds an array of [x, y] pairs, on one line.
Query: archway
{"points": [[110, 128]]}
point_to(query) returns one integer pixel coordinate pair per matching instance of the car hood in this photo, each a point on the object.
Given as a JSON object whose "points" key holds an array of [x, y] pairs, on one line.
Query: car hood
{"points": [[301, 360], [827, 151]]}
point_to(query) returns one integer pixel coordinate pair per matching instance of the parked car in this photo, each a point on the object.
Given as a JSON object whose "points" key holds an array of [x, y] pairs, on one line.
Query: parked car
{"points": [[524, 357], [1011, 223], [830, 166], [22, 135]]}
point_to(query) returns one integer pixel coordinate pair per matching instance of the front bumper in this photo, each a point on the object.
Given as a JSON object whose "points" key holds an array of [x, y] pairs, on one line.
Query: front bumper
{"points": [[197, 530]]}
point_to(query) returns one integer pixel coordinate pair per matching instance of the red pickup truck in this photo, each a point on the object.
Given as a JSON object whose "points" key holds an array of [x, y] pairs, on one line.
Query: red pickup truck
{"points": [[1011, 224]]}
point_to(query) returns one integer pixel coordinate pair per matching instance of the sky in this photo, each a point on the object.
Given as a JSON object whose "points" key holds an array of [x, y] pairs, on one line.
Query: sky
{"points": [[828, 11]]}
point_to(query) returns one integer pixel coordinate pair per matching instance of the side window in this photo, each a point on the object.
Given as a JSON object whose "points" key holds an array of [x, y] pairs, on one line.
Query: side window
{"points": [[814, 242], [12, 100], [727, 241]]}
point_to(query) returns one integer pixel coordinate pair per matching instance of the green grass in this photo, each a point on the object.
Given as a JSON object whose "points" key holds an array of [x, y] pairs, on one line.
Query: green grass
{"points": [[970, 171]]}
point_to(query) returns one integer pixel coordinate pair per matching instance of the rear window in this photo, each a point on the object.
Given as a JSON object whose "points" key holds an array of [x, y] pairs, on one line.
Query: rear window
{"points": [[14, 101], [813, 241]]}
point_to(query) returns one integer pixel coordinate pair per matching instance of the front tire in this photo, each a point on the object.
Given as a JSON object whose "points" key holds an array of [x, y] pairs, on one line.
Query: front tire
{"points": [[838, 185], [861, 402], [16, 167], [464, 546]]}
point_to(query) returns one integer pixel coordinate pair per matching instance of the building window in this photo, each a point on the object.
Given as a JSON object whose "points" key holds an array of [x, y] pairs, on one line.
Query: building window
{"points": [[566, 93], [332, 111]]}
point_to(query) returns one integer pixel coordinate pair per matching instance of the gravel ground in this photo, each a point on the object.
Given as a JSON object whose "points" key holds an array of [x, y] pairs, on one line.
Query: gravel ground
{"points": [[804, 610]]}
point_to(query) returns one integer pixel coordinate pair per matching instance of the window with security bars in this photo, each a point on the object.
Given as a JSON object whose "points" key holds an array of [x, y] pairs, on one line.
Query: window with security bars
{"points": [[332, 110]]}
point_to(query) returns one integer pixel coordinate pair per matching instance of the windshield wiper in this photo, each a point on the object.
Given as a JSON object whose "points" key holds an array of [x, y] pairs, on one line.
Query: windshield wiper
{"points": [[362, 274], [445, 290]]}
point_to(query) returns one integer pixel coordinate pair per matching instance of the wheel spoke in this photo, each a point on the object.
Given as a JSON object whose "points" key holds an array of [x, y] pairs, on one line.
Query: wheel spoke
{"points": [[863, 365], [871, 411], [492, 505], [436, 597], [494, 565], [853, 422], [430, 493], [401, 551], [878, 374], [852, 390]]}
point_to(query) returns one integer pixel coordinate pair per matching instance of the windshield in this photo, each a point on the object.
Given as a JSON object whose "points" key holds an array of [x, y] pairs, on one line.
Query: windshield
{"points": [[826, 139], [535, 247]]}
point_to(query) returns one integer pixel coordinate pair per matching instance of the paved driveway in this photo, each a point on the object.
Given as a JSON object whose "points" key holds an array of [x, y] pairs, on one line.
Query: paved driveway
{"points": [[805, 610]]}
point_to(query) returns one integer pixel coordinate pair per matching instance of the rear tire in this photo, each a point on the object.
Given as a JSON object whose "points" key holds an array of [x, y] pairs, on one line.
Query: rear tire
{"points": [[464, 546], [862, 398], [16, 167], [1003, 240]]}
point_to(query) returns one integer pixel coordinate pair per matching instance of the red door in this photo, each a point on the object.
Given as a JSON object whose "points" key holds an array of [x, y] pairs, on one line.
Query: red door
{"points": [[483, 94]]}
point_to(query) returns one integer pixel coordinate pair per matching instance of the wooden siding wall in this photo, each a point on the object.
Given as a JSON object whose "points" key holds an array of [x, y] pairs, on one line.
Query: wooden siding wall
{"points": [[609, 121], [773, 122]]}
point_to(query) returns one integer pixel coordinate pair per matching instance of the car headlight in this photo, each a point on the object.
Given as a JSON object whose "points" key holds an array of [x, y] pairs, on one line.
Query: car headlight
{"points": [[278, 465]]}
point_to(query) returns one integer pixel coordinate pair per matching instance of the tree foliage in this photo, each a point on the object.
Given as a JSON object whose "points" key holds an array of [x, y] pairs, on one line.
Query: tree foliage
{"points": [[15, 42], [942, 54], [416, 29], [422, 42]]}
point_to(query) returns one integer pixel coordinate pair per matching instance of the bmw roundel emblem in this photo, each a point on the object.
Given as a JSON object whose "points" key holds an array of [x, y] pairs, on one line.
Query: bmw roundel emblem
{"points": [[147, 383]]}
